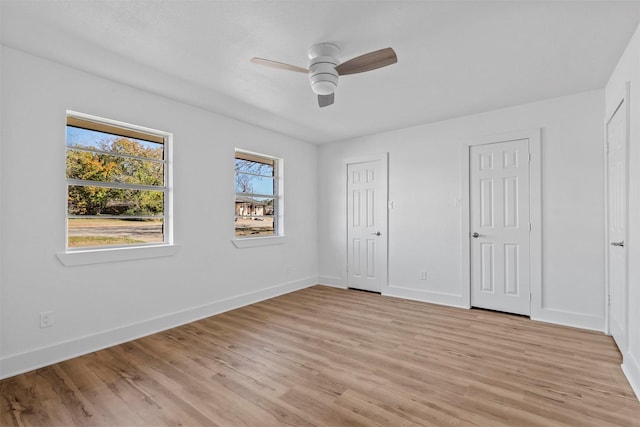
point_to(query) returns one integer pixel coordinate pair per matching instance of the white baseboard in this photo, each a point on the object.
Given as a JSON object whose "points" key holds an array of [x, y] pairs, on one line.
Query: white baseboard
{"points": [[631, 369], [557, 317], [23, 362], [336, 282], [451, 300], [565, 318]]}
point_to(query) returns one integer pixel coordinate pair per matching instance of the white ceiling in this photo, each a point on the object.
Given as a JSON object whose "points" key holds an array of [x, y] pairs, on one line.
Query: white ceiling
{"points": [[454, 58]]}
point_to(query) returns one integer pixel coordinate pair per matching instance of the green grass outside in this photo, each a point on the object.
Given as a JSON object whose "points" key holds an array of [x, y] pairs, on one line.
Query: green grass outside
{"points": [[256, 232], [107, 222], [84, 241]]}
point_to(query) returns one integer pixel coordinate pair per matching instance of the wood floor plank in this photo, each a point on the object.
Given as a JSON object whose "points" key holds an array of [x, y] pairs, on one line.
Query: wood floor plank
{"points": [[332, 357]]}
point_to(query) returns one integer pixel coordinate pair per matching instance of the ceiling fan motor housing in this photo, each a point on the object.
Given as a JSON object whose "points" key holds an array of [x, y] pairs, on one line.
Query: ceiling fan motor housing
{"points": [[322, 68]]}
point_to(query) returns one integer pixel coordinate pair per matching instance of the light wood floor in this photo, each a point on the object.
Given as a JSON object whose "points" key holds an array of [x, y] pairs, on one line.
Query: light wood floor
{"points": [[332, 357]]}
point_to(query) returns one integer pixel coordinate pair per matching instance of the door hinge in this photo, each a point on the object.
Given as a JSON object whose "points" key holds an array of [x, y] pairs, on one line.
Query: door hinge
{"points": [[529, 157], [530, 227], [609, 299]]}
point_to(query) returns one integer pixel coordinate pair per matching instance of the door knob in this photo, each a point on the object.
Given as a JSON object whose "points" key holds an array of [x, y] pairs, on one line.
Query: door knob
{"points": [[475, 235], [377, 233], [621, 244]]}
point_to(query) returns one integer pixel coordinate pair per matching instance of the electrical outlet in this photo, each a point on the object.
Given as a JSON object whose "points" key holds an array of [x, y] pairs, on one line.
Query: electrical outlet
{"points": [[46, 319], [423, 275]]}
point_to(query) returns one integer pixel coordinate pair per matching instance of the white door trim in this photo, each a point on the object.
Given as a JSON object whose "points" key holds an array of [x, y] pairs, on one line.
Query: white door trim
{"points": [[535, 213], [623, 97], [384, 159]]}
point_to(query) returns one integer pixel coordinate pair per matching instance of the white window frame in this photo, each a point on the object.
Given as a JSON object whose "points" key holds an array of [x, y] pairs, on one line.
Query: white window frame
{"points": [[92, 255], [278, 203]]}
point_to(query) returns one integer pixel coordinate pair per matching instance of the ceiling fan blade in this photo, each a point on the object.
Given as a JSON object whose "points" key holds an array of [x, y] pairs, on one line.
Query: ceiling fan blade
{"points": [[278, 65], [324, 100], [368, 61]]}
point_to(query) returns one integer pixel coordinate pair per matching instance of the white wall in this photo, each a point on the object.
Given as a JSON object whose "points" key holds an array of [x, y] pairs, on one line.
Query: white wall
{"points": [[628, 70], [424, 225], [99, 305]]}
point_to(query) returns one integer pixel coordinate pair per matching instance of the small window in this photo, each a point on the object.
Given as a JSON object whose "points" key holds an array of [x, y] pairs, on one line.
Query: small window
{"points": [[117, 193], [258, 195]]}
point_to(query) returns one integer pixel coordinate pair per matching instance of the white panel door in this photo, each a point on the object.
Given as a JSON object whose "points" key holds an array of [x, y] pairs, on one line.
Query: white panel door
{"points": [[616, 133], [367, 225], [500, 227]]}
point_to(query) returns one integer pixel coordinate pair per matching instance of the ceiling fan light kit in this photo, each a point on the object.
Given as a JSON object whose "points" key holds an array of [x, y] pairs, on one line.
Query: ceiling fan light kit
{"points": [[325, 68], [322, 68]]}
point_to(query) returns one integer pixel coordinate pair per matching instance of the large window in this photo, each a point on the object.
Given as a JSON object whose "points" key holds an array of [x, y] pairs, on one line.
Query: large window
{"points": [[117, 192], [258, 195]]}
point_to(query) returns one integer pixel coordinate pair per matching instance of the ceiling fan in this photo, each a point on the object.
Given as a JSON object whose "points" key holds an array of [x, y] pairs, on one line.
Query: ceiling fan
{"points": [[324, 67]]}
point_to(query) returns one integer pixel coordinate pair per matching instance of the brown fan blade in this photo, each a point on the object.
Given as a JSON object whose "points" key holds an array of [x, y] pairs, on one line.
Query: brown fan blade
{"points": [[368, 61], [324, 100], [278, 65]]}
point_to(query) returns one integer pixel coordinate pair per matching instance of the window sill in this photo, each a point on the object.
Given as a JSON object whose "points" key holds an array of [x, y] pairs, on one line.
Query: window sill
{"points": [[98, 256], [253, 242]]}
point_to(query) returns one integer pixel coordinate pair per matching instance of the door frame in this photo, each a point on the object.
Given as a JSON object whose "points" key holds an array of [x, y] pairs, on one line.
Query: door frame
{"points": [[623, 97], [535, 213], [384, 159]]}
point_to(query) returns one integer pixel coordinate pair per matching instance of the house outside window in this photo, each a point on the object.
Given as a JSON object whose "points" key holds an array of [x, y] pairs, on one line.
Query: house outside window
{"points": [[258, 188], [117, 179]]}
